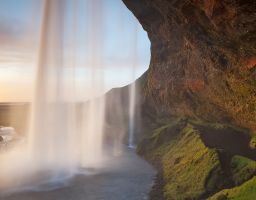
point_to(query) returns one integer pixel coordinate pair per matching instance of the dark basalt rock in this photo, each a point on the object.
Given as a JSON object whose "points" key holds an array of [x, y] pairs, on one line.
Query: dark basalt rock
{"points": [[203, 58], [203, 69]]}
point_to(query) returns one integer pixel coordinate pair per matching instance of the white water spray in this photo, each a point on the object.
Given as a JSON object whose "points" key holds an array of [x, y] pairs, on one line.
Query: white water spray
{"points": [[65, 133], [62, 142], [67, 120]]}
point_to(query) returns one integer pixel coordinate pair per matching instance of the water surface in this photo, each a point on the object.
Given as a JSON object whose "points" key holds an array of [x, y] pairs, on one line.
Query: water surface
{"points": [[127, 177]]}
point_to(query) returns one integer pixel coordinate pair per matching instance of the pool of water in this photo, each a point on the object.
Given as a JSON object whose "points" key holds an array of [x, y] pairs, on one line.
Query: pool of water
{"points": [[125, 177]]}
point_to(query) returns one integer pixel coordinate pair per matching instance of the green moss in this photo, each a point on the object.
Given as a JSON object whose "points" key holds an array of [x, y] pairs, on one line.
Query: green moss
{"points": [[215, 125], [246, 191], [159, 137], [153, 147], [219, 126], [242, 169], [190, 169], [187, 165], [186, 162], [238, 99], [158, 131], [253, 142]]}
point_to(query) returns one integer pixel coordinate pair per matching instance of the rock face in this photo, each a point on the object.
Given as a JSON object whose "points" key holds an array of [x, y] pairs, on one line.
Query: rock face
{"points": [[203, 58], [199, 91]]}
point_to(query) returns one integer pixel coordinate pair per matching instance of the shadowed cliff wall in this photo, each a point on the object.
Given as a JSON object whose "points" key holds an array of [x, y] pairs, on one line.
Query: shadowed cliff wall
{"points": [[203, 58]]}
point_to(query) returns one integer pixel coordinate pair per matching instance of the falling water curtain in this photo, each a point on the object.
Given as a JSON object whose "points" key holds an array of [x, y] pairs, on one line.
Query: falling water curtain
{"points": [[68, 142], [80, 50]]}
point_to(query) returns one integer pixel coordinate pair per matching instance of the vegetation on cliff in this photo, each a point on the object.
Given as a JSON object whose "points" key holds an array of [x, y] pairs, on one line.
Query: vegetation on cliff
{"points": [[203, 66], [189, 167], [246, 191]]}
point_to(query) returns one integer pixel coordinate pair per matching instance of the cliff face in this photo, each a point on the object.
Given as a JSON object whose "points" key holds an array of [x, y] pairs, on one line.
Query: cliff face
{"points": [[203, 58], [199, 90]]}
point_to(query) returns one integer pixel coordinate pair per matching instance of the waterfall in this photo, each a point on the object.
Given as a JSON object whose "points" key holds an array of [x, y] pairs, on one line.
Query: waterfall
{"points": [[132, 93], [56, 139], [67, 118], [66, 128]]}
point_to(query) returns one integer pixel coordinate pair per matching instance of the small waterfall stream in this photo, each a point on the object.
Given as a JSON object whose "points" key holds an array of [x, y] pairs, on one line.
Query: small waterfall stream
{"points": [[132, 92]]}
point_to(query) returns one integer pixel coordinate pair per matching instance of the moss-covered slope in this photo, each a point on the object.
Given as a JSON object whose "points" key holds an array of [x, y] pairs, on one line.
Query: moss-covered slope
{"points": [[246, 191], [190, 169]]}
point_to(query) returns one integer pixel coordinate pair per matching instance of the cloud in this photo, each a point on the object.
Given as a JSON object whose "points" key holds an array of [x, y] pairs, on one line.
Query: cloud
{"points": [[16, 43], [5, 35]]}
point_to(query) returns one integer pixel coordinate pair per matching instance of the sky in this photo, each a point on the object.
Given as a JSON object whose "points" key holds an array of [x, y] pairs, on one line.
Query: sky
{"points": [[123, 44]]}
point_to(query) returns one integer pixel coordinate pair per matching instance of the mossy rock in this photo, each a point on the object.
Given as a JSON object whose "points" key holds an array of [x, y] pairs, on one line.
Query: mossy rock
{"points": [[242, 169], [246, 191], [253, 142], [186, 163], [151, 147], [187, 166]]}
